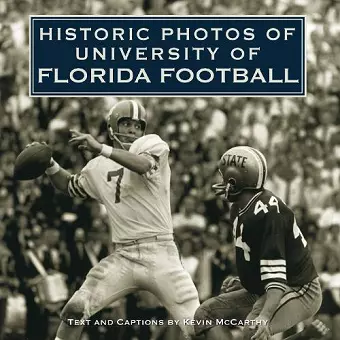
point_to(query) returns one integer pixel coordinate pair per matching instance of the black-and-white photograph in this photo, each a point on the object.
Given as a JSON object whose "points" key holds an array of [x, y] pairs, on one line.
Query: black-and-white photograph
{"points": [[170, 218]]}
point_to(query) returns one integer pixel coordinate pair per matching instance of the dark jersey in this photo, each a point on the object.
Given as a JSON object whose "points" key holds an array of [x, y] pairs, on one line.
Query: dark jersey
{"points": [[271, 251]]}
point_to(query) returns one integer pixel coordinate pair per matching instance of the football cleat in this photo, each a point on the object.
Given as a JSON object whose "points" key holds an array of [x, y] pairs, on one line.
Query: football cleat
{"points": [[316, 330], [122, 110], [241, 167]]}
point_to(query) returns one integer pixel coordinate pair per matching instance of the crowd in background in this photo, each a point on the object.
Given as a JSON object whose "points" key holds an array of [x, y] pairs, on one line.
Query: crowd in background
{"points": [[299, 136]]}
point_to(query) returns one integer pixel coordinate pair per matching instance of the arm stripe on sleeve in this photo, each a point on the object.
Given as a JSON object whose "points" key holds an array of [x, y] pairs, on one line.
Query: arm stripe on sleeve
{"points": [[273, 262], [278, 272], [74, 188], [70, 189], [78, 187], [275, 285], [273, 276], [272, 269]]}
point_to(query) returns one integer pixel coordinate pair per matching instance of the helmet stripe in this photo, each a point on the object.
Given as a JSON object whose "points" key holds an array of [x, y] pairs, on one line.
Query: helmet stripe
{"points": [[130, 109], [260, 167], [264, 165], [135, 110], [140, 109]]}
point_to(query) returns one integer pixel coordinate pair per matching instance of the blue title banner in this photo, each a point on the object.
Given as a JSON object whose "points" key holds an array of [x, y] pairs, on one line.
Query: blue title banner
{"points": [[167, 56]]}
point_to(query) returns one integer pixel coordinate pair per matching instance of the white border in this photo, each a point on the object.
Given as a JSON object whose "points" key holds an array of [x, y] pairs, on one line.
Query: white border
{"points": [[301, 18]]}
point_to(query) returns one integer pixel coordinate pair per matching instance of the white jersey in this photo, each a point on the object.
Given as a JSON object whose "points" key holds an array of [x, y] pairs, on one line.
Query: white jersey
{"points": [[138, 206]]}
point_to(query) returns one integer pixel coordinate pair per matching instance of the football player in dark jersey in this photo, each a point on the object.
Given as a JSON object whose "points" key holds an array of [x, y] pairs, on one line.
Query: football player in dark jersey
{"points": [[278, 286]]}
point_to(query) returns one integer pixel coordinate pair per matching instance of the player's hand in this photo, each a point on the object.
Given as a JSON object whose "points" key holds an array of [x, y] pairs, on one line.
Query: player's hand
{"points": [[35, 143], [85, 141], [231, 284], [262, 329]]}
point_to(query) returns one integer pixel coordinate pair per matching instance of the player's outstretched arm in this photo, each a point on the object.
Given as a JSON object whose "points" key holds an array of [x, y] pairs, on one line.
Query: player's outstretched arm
{"points": [[138, 163], [69, 184], [58, 176]]}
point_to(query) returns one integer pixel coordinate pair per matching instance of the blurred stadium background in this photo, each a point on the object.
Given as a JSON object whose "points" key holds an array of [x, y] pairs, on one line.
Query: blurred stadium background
{"points": [[299, 136]]}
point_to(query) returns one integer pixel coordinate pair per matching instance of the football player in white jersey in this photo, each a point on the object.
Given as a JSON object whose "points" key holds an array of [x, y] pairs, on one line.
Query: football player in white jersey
{"points": [[132, 180]]}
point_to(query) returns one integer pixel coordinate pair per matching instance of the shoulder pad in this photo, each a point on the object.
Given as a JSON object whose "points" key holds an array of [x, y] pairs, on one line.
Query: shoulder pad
{"points": [[152, 144], [92, 165]]}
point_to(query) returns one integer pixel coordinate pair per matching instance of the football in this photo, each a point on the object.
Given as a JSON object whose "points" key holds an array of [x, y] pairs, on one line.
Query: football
{"points": [[32, 162]]}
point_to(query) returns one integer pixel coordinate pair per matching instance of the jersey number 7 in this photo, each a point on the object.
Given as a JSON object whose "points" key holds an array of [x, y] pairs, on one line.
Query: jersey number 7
{"points": [[117, 173]]}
